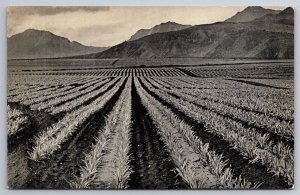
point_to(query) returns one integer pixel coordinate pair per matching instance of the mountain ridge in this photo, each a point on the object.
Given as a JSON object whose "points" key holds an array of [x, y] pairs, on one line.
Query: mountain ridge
{"points": [[160, 28], [256, 39], [33, 43], [251, 13]]}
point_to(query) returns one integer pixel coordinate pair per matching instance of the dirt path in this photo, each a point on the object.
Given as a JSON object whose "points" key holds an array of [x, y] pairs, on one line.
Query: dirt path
{"points": [[187, 72], [255, 83], [152, 164]]}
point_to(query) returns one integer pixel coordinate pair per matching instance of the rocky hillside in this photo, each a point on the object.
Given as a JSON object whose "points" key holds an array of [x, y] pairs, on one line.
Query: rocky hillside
{"points": [[261, 38], [43, 44]]}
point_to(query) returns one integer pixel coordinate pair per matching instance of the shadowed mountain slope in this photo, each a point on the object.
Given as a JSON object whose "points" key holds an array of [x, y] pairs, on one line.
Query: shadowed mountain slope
{"points": [[262, 38], [43, 44]]}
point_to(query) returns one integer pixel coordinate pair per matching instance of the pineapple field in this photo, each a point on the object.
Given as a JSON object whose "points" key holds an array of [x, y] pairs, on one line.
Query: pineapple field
{"points": [[219, 126]]}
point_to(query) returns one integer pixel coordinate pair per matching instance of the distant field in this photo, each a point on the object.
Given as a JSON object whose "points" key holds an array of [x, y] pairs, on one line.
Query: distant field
{"points": [[189, 124], [132, 62], [246, 68]]}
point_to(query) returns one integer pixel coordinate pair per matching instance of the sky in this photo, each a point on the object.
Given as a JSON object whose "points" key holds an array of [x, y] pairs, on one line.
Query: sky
{"points": [[108, 26]]}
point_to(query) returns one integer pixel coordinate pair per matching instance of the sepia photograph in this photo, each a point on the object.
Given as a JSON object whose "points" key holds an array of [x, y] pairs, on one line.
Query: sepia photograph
{"points": [[150, 97]]}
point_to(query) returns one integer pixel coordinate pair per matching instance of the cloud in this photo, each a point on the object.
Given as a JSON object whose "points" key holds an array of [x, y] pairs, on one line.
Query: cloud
{"points": [[51, 10], [18, 15]]}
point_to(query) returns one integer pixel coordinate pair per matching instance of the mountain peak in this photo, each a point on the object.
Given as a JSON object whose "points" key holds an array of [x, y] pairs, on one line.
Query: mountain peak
{"points": [[169, 22], [36, 33], [288, 10], [162, 27], [285, 17], [254, 8], [32, 30], [33, 43], [251, 13]]}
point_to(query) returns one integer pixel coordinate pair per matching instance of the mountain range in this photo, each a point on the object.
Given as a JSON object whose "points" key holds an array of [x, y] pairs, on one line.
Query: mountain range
{"points": [[254, 32], [43, 44], [270, 36]]}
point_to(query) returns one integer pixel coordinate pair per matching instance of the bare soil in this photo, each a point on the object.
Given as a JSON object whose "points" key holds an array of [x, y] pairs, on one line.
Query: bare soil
{"points": [[152, 164], [255, 83]]}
